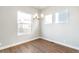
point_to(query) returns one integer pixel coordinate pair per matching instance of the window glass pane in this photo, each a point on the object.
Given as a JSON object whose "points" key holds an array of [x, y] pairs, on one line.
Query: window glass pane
{"points": [[62, 16], [24, 21], [48, 19]]}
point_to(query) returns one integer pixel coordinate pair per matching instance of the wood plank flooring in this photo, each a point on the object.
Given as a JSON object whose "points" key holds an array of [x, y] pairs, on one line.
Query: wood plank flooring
{"points": [[39, 46]]}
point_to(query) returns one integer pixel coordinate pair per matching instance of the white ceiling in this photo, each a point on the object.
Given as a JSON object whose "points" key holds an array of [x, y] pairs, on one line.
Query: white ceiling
{"points": [[40, 7]]}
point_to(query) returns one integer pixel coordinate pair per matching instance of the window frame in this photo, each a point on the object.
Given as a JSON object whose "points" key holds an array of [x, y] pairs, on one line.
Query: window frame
{"points": [[19, 24]]}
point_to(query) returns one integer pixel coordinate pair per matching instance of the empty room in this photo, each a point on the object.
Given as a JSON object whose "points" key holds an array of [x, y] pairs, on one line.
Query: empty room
{"points": [[39, 29]]}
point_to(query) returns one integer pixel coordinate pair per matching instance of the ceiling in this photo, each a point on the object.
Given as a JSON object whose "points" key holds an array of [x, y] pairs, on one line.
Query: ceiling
{"points": [[40, 7]]}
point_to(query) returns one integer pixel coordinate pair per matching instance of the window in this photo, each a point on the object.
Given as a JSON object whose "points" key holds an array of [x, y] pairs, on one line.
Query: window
{"points": [[62, 17], [48, 19], [24, 21]]}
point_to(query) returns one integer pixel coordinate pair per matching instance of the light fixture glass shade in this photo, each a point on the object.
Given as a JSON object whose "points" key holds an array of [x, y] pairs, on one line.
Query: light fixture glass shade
{"points": [[42, 15], [36, 16]]}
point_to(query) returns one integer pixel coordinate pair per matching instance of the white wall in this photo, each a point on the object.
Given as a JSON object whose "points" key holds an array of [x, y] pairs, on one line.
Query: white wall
{"points": [[8, 25], [67, 33]]}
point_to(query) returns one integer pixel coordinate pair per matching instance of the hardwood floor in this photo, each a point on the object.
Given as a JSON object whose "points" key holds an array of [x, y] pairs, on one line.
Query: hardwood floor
{"points": [[39, 46]]}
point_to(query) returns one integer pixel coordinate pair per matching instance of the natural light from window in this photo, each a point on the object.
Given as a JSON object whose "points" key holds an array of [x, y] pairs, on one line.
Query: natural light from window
{"points": [[48, 19], [24, 22], [62, 16]]}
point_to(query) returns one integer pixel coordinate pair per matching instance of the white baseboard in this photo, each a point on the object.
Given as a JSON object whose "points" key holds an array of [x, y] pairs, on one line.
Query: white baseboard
{"points": [[12, 45], [15, 44], [60, 43]]}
